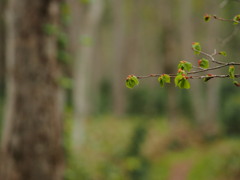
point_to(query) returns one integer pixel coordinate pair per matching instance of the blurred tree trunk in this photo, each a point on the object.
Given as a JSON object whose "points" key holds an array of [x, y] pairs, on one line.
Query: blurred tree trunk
{"points": [[84, 39], [2, 45], [213, 87], [169, 48], [32, 138], [119, 95], [187, 37]]}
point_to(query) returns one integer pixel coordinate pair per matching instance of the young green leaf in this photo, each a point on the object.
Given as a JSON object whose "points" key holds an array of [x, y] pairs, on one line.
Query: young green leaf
{"points": [[165, 78], [236, 19], [223, 53], [196, 47], [131, 81], [182, 82], [184, 65], [186, 84], [236, 83], [177, 79], [231, 71], [161, 81], [207, 17], [203, 63]]}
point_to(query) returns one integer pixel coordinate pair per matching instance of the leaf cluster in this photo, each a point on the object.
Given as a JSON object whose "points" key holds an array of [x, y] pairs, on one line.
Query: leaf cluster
{"points": [[165, 78], [131, 81], [181, 78]]}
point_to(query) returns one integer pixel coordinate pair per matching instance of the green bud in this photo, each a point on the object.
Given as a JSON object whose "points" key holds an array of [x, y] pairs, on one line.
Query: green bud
{"points": [[131, 81]]}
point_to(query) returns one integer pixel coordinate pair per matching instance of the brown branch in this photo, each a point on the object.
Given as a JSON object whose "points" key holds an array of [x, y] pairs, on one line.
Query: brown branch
{"points": [[213, 76], [222, 19], [214, 68], [189, 77], [211, 56], [151, 75], [198, 71], [196, 67]]}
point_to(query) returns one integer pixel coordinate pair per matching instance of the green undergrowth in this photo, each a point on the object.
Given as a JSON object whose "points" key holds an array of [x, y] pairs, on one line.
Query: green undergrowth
{"points": [[133, 148], [219, 161]]}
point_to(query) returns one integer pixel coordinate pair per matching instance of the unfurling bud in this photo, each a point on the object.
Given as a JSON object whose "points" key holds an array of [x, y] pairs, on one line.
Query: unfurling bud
{"points": [[207, 17]]}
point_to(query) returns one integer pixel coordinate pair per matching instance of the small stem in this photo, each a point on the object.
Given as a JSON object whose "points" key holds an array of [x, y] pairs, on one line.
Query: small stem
{"points": [[196, 67], [211, 56], [213, 76], [190, 77], [209, 69], [222, 19]]}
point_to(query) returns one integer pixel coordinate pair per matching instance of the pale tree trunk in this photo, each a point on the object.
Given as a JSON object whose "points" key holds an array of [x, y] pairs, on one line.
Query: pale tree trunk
{"points": [[85, 38], [187, 37], [119, 89], [213, 86], [32, 143], [169, 48], [2, 46], [74, 26]]}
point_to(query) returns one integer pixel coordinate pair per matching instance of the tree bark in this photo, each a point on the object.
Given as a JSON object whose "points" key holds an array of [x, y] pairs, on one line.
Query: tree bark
{"points": [[2, 46], [32, 143]]}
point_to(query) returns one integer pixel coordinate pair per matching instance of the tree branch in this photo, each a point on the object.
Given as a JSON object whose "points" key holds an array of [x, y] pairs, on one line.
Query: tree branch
{"points": [[222, 19], [189, 77]]}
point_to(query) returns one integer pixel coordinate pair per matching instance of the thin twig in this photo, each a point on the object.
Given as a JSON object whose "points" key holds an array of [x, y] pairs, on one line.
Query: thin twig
{"points": [[213, 76], [196, 67], [214, 68], [189, 77], [211, 56], [222, 19]]}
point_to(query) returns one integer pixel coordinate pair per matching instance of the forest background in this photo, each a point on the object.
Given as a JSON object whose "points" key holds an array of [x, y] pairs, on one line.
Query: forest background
{"points": [[149, 132]]}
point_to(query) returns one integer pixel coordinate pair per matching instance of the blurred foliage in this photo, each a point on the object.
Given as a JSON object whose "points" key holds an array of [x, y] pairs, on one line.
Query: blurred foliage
{"points": [[230, 118], [64, 56], [133, 148], [50, 29], [137, 165], [221, 162], [65, 82], [86, 40], [229, 113], [85, 1], [65, 13], [74, 169], [144, 101], [105, 92]]}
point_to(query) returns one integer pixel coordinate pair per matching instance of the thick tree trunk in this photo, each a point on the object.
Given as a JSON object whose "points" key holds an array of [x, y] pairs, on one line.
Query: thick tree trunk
{"points": [[31, 145], [2, 46]]}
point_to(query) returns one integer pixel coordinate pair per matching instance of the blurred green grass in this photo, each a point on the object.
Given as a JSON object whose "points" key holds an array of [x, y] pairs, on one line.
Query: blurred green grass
{"points": [[150, 149]]}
